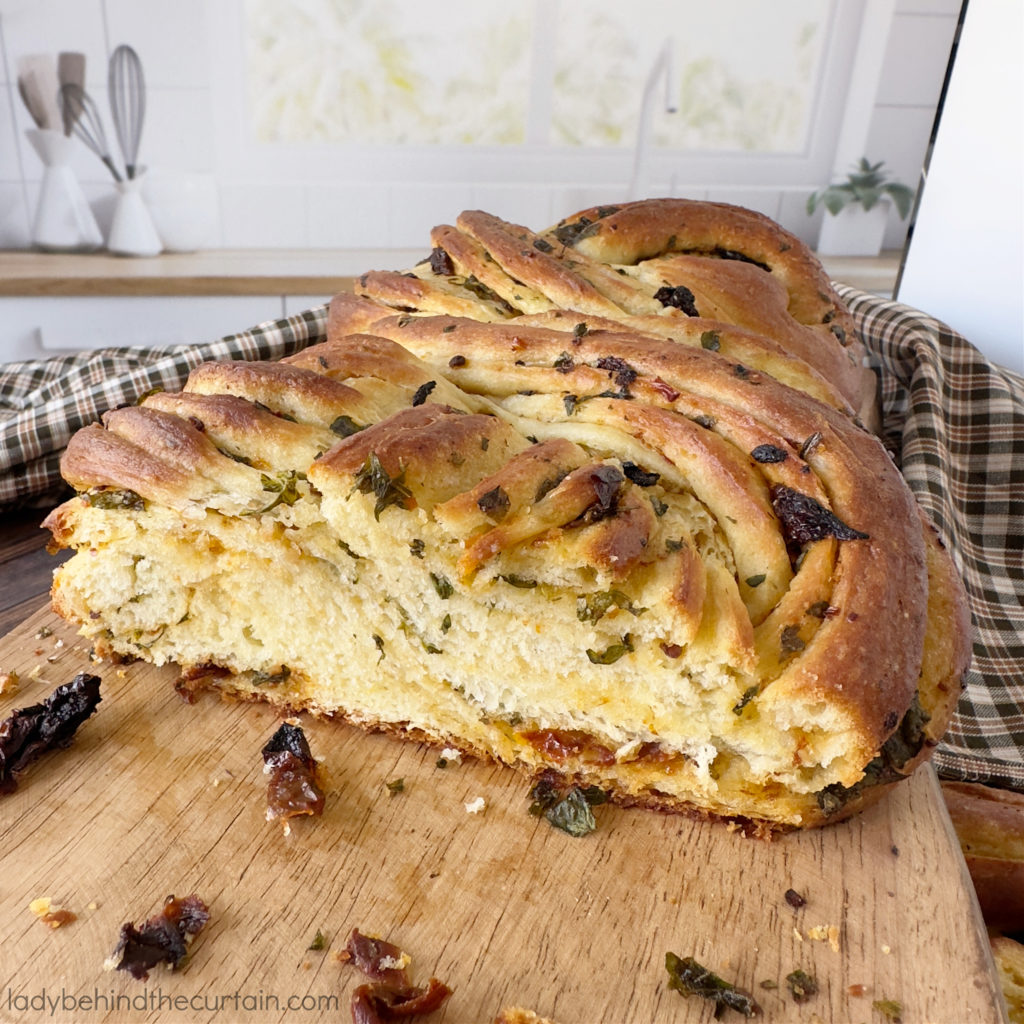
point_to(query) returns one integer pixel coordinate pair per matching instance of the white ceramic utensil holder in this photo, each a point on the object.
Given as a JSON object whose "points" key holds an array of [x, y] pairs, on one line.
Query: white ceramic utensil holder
{"points": [[132, 232], [63, 221]]}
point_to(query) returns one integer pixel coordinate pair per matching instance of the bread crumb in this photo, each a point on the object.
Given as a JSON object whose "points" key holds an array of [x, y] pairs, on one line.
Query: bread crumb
{"points": [[35, 672], [49, 913], [823, 932], [886, 949], [8, 684], [451, 755], [476, 806], [797, 935], [394, 963]]}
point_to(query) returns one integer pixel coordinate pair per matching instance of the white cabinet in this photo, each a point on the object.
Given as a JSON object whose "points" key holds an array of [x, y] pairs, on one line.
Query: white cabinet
{"points": [[33, 328]]}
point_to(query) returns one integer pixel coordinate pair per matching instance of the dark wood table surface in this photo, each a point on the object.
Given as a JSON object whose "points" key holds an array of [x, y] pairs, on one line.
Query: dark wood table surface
{"points": [[25, 567]]}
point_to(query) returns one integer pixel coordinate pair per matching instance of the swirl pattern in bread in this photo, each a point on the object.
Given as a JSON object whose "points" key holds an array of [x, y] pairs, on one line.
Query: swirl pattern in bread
{"points": [[550, 537]]}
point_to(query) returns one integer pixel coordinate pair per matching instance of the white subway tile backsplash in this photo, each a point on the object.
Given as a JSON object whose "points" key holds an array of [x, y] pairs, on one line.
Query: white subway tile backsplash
{"points": [[415, 209], [49, 26], [170, 39], [346, 216], [14, 218], [529, 205], [567, 200], [10, 163], [178, 131], [263, 216]]}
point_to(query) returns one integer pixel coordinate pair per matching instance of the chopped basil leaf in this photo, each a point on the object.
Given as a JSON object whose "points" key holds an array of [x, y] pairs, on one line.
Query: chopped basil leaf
{"points": [[791, 641], [801, 985], [394, 787], [572, 814], [116, 500], [348, 551], [345, 426], [442, 585], [284, 485], [890, 1009], [522, 582], [611, 654], [592, 607], [568, 810], [756, 581], [660, 508], [690, 978], [373, 478], [271, 678], [748, 695]]}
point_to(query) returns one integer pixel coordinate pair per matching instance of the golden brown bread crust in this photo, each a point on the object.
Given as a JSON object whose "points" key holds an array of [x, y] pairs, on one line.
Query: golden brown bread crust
{"points": [[708, 524], [668, 260], [989, 823]]}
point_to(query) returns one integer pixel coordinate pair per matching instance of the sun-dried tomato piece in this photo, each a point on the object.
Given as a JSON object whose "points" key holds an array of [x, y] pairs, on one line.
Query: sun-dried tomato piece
{"points": [[440, 262], [33, 731], [377, 1004], [803, 519], [378, 959], [391, 996], [293, 787], [680, 297], [163, 939]]}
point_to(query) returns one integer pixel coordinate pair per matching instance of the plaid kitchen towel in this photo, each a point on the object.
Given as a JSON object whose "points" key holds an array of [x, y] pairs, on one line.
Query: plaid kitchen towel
{"points": [[42, 403], [953, 420], [955, 423]]}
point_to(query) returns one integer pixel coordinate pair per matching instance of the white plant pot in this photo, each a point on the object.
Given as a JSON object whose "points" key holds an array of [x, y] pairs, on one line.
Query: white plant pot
{"points": [[854, 231]]}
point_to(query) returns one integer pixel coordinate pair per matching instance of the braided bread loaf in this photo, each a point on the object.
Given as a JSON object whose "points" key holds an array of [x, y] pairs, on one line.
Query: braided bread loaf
{"points": [[516, 505]]}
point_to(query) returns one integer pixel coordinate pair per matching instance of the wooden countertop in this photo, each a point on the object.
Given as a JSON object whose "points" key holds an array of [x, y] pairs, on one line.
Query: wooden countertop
{"points": [[274, 272], [213, 272]]}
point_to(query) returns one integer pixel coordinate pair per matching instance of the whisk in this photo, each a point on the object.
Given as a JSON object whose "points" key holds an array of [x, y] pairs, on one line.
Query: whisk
{"points": [[80, 112], [127, 86]]}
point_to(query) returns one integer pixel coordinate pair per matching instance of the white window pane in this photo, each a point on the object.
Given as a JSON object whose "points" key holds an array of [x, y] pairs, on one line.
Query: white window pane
{"points": [[387, 71], [735, 90]]}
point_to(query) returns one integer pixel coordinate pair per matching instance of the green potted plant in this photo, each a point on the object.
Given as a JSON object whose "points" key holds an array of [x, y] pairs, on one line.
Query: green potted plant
{"points": [[857, 210]]}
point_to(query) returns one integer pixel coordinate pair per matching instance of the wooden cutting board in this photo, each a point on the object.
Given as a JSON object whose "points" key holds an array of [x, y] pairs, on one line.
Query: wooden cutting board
{"points": [[157, 797]]}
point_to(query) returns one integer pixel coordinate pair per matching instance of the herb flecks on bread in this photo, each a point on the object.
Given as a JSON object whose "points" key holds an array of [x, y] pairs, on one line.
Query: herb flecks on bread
{"points": [[547, 538]]}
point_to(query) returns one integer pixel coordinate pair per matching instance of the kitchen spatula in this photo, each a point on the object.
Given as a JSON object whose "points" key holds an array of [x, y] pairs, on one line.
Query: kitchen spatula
{"points": [[70, 70]]}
